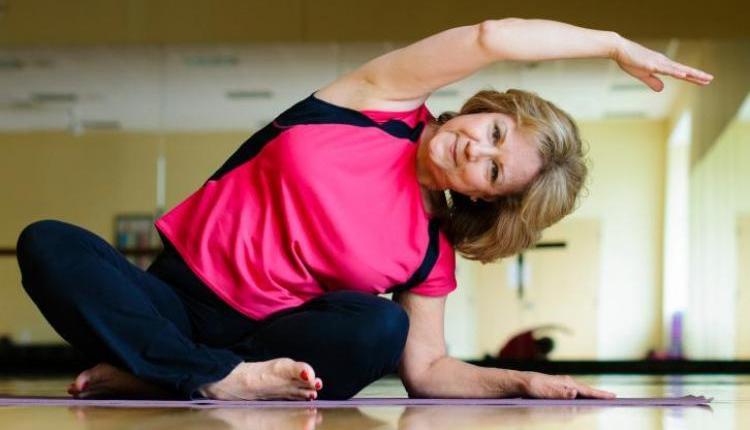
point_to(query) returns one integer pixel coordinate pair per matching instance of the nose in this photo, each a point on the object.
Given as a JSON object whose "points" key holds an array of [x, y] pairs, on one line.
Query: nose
{"points": [[478, 151]]}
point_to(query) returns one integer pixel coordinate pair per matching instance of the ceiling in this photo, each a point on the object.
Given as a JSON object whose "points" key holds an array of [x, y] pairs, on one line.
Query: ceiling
{"points": [[129, 22], [240, 87]]}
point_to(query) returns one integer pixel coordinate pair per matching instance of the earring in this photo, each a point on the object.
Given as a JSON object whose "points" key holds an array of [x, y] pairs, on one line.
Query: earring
{"points": [[473, 199]]}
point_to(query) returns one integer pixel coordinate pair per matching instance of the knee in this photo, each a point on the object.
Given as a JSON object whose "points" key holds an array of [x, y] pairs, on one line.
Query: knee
{"points": [[36, 236], [392, 322], [382, 331], [34, 246]]}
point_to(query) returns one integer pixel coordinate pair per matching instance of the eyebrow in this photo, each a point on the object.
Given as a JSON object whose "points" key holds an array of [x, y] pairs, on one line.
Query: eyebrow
{"points": [[500, 166], [500, 178]]}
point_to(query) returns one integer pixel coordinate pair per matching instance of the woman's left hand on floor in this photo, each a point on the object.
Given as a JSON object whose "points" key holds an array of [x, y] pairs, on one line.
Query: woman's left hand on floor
{"points": [[542, 386]]}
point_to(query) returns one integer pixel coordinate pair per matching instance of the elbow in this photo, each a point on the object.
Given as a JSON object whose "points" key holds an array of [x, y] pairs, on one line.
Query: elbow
{"points": [[416, 385], [416, 389], [489, 32]]}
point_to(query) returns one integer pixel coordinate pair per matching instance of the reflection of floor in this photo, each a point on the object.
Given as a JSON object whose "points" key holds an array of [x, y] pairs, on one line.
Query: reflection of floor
{"points": [[730, 410]]}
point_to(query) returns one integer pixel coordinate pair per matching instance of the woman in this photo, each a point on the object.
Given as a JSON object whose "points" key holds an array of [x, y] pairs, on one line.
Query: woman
{"points": [[268, 284]]}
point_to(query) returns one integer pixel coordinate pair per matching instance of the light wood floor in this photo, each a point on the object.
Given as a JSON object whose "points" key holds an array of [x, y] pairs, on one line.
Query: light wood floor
{"points": [[730, 410]]}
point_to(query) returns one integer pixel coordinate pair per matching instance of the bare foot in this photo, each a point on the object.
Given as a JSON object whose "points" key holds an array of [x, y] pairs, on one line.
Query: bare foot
{"points": [[282, 378], [105, 380]]}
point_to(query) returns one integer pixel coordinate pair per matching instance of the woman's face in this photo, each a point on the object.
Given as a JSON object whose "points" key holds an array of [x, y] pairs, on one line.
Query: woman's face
{"points": [[482, 155]]}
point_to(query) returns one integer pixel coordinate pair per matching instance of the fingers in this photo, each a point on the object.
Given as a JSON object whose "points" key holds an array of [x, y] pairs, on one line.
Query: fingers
{"points": [[564, 387], [570, 393], [573, 389], [644, 64], [593, 393], [584, 390], [653, 82], [694, 75], [684, 72]]}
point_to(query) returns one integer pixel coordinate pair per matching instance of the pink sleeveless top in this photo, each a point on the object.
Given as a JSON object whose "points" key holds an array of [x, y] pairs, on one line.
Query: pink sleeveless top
{"points": [[324, 198]]}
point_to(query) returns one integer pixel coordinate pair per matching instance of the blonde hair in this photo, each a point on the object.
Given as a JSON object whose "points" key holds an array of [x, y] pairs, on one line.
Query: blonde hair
{"points": [[487, 231]]}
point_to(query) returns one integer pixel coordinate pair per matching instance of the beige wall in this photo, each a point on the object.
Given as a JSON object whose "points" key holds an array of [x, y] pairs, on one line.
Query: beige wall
{"points": [[626, 194], [556, 286], [742, 307], [86, 180], [719, 199]]}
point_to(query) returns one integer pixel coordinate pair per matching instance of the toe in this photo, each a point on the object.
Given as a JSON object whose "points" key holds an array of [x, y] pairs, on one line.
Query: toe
{"points": [[93, 376], [298, 394], [308, 394], [82, 380], [305, 373]]}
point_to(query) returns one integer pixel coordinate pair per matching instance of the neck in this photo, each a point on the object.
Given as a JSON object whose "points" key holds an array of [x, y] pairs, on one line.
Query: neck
{"points": [[425, 176]]}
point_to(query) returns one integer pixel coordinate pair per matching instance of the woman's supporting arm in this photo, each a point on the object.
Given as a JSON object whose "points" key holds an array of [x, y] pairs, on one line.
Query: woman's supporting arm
{"points": [[427, 371]]}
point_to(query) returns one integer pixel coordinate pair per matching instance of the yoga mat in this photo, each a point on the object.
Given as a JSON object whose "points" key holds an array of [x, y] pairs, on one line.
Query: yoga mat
{"points": [[356, 402]]}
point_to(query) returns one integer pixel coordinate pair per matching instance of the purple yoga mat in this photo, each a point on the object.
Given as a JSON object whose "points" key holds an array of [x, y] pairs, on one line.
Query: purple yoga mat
{"points": [[356, 402]]}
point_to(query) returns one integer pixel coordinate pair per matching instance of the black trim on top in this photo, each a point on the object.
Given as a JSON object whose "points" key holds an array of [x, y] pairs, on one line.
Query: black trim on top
{"points": [[313, 110], [430, 258], [249, 149]]}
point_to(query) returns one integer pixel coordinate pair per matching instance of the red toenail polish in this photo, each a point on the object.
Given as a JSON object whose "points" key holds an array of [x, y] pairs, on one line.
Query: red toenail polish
{"points": [[303, 375], [317, 385], [310, 397]]}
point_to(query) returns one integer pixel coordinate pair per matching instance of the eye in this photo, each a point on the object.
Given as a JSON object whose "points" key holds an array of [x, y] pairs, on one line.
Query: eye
{"points": [[495, 171], [496, 133]]}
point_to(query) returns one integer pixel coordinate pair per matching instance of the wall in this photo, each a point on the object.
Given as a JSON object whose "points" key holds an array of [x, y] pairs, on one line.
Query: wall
{"points": [[86, 180], [719, 197]]}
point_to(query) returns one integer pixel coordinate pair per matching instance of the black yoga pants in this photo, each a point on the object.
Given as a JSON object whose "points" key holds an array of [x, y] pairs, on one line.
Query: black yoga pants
{"points": [[166, 327]]}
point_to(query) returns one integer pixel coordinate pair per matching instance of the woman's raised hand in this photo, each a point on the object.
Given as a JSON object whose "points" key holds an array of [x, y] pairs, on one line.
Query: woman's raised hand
{"points": [[542, 386], [645, 64]]}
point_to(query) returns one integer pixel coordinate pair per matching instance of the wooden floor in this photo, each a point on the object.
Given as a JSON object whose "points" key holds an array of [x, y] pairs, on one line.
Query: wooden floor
{"points": [[730, 410]]}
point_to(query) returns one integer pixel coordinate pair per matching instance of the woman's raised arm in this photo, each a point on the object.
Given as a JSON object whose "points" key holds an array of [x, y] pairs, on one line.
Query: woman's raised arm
{"points": [[405, 77]]}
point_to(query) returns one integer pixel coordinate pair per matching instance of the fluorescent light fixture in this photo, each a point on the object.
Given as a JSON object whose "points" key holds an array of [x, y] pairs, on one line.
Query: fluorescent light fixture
{"points": [[625, 114], [52, 97], [101, 124], [211, 60], [249, 94], [629, 86]]}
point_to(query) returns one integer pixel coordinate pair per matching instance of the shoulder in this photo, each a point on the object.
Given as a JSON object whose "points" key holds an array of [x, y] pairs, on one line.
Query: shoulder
{"points": [[356, 93]]}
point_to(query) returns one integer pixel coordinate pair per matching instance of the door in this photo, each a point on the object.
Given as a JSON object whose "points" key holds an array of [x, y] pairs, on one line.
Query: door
{"points": [[742, 311], [560, 287]]}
